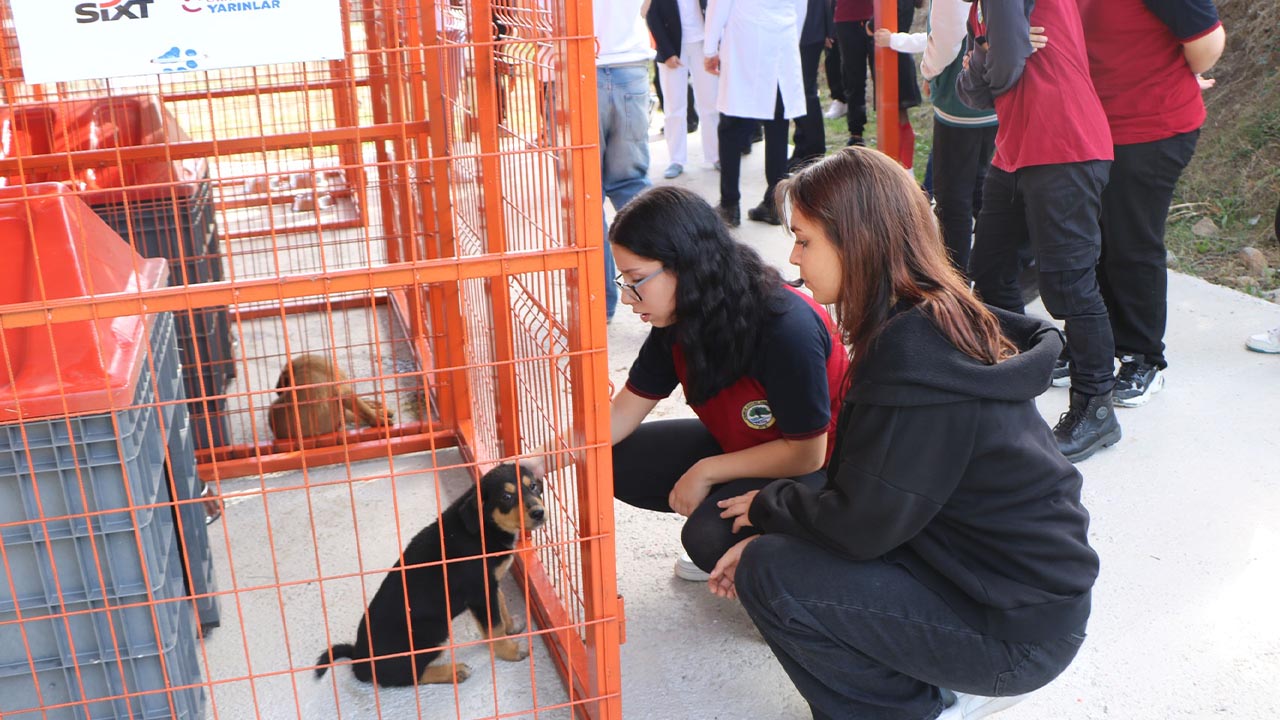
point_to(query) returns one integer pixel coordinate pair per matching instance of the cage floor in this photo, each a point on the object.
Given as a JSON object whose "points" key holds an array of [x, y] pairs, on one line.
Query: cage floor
{"points": [[290, 537]]}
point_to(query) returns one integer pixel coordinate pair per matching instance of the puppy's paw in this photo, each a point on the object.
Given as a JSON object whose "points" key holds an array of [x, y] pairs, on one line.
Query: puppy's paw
{"points": [[510, 650], [381, 416], [461, 672]]}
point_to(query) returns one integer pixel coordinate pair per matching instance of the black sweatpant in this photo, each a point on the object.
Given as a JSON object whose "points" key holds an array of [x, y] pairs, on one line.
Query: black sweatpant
{"points": [[1057, 208], [1132, 274], [735, 138], [856, 52], [835, 82], [811, 134], [647, 465], [961, 156]]}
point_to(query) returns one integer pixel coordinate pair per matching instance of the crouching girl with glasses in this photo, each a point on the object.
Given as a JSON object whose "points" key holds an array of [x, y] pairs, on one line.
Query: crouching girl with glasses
{"points": [[758, 361]]}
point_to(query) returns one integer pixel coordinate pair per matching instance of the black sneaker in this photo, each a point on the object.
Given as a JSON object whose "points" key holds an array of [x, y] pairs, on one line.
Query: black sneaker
{"points": [[765, 212], [1136, 382], [1062, 373], [1087, 426], [730, 214]]}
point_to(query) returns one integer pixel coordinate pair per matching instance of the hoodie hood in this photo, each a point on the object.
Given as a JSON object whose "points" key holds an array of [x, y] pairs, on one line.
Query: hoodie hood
{"points": [[891, 374]]}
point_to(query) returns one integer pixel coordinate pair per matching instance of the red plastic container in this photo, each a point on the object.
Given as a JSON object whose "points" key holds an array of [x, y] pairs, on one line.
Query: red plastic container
{"points": [[55, 247], [116, 122]]}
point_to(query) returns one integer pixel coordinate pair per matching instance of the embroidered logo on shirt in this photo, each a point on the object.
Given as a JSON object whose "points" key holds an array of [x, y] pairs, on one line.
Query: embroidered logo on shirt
{"points": [[757, 415]]}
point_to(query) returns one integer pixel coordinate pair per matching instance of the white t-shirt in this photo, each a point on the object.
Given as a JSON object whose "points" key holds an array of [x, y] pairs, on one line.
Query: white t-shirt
{"points": [[691, 21], [621, 34]]}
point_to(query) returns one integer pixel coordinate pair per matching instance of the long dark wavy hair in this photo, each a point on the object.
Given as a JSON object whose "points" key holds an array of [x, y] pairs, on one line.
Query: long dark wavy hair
{"points": [[725, 293], [891, 253]]}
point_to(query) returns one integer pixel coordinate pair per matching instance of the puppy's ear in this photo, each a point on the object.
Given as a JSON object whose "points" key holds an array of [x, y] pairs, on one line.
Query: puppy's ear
{"points": [[535, 466], [469, 508]]}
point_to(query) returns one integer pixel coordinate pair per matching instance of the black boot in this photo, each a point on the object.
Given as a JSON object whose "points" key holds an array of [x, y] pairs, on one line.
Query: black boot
{"points": [[1087, 426], [730, 214], [765, 212]]}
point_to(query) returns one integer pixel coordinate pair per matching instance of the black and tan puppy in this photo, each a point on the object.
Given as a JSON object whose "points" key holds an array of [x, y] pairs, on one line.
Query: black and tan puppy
{"points": [[509, 501], [315, 399]]}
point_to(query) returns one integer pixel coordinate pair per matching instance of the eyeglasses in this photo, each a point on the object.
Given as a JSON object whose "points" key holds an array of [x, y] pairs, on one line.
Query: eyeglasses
{"points": [[634, 288]]}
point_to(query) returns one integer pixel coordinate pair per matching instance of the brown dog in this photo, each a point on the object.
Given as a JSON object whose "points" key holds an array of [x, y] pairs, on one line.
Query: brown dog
{"points": [[315, 399]]}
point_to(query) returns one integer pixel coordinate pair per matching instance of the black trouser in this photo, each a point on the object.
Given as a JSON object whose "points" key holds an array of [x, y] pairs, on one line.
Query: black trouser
{"points": [[856, 51], [1132, 274], [961, 156], [835, 81], [735, 137], [865, 639], [647, 465], [1057, 208], [811, 134]]}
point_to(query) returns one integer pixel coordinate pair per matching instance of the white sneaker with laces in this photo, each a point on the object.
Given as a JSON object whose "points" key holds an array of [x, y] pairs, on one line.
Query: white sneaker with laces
{"points": [[837, 110], [972, 707], [686, 570], [1267, 342]]}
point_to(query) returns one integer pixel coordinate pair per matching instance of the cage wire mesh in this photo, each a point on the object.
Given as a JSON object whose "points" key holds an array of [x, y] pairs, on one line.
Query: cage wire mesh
{"points": [[417, 218]]}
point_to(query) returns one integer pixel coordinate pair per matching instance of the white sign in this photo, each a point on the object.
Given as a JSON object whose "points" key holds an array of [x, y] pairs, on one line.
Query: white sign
{"points": [[63, 40]]}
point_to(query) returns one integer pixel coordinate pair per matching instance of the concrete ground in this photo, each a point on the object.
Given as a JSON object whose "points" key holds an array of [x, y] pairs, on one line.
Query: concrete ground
{"points": [[1184, 514]]}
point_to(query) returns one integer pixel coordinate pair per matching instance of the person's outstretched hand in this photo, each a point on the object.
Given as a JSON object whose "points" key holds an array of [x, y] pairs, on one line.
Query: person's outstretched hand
{"points": [[721, 582]]}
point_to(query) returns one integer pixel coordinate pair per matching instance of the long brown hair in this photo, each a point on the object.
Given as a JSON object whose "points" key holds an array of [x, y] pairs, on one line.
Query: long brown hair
{"points": [[891, 252]]}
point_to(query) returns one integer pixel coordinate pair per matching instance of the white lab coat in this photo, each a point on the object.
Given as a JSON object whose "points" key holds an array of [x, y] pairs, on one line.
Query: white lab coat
{"points": [[758, 42]]}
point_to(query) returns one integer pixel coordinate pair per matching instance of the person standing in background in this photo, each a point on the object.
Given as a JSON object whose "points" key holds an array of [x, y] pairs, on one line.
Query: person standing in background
{"points": [[1053, 154], [818, 33], [677, 29], [1145, 58], [754, 46], [622, 89], [853, 20]]}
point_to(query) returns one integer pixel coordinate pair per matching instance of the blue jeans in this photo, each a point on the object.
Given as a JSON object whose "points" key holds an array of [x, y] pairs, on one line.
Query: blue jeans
{"points": [[623, 101], [865, 640]]}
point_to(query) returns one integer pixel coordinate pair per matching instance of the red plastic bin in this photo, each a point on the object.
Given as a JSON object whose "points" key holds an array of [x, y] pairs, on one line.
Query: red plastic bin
{"points": [[116, 122], [55, 247]]}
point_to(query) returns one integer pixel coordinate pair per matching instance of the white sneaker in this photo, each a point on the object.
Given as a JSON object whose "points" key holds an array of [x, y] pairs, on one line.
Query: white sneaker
{"points": [[673, 171], [972, 707], [686, 570], [1267, 342], [837, 110]]}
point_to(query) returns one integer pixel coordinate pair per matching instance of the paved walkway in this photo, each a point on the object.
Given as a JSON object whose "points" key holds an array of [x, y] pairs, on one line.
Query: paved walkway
{"points": [[1186, 518]]}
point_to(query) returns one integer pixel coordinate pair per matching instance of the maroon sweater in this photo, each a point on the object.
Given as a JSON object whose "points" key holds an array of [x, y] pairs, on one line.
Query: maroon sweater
{"points": [[1049, 112]]}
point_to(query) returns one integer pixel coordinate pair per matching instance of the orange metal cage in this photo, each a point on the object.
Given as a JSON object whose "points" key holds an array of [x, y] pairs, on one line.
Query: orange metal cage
{"points": [[420, 214]]}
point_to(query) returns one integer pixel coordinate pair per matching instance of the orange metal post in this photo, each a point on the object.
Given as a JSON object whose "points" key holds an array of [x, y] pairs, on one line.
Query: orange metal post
{"points": [[495, 229], [590, 374], [887, 112]]}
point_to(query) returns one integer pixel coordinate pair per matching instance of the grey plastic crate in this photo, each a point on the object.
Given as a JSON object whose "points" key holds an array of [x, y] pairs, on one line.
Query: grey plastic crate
{"points": [[49, 573], [80, 633], [80, 688], [65, 475]]}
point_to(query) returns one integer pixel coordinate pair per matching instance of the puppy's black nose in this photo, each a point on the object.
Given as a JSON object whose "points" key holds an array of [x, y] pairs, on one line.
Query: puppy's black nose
{"points": [[537, 514]]}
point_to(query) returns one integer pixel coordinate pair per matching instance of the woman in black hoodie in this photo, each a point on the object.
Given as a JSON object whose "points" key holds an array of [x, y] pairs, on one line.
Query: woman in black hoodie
{"points": [[944, 570]]}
